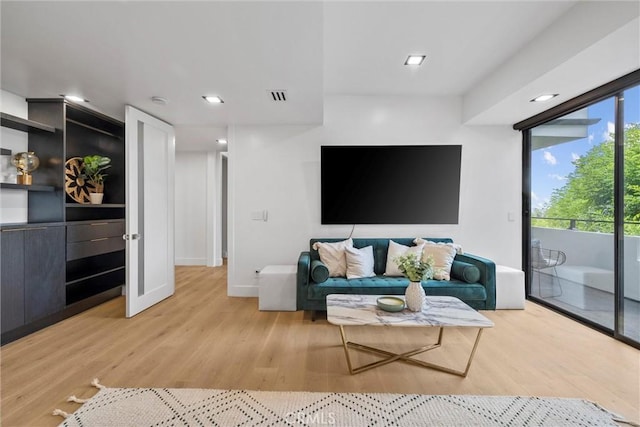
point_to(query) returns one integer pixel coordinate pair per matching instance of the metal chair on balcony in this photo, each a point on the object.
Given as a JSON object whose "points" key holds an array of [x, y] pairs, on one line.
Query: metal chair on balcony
{"points": [[542, 259]]}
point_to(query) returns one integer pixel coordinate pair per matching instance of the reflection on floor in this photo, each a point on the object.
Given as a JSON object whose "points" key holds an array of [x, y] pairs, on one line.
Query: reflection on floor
{"points": [[592, 304]]}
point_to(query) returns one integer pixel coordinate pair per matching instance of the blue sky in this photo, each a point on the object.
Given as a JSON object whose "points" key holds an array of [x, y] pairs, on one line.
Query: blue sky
{"points": [[550, 166]]}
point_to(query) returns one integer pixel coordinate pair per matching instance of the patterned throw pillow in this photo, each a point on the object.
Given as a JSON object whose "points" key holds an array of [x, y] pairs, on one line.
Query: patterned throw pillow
{"points": [[443, 255], [333, 256]]}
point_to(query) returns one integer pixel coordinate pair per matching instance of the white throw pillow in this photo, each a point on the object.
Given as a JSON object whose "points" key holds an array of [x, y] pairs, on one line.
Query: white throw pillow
{"points": [[332, 255], [359, 262], [457, 247], [396, 250], [443, 255]]}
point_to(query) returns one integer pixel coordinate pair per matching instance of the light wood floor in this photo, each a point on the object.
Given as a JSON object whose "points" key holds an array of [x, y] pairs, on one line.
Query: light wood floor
{"points": [[202, 338]]}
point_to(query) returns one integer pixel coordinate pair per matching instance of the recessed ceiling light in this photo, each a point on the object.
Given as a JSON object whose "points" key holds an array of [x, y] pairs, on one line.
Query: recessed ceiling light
{"points": [[74, 98], [545, 97], [213, 99], [222, 141], [415, 60]]}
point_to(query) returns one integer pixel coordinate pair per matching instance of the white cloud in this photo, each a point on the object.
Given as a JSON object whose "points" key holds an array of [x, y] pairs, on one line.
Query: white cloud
{"points": [[534, 196], [575, 156], [611, 128], [558, 177], [550, 158], [590, 138]]}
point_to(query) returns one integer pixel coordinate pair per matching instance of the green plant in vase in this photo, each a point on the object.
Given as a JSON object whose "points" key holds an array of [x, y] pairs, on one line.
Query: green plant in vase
{"points": [[93, 168], [417, 269]]}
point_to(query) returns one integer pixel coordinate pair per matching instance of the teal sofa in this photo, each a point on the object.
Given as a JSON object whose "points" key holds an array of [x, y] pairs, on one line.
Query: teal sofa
{"points": [[480, 295]]}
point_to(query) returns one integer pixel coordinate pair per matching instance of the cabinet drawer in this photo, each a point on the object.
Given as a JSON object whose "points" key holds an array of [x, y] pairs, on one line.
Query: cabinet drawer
{"points": [[97, 246], [96, 230]]}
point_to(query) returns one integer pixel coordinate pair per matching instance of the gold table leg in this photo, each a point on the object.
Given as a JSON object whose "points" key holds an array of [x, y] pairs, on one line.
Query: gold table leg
{"points": [[404, 357]]}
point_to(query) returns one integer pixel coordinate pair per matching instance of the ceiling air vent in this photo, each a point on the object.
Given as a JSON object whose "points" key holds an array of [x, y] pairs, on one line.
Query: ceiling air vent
{"points": [[278, 95]]}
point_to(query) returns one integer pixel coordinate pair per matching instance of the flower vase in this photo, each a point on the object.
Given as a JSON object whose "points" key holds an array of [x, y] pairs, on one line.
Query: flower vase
{"points": [[414, 296]]}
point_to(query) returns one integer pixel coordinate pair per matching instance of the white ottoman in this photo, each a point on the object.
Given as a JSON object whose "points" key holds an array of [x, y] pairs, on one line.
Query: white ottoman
{"points": [[509, 288], [277, 288]]}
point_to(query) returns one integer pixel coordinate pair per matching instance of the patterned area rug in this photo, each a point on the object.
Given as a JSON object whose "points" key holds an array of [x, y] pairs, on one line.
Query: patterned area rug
{"points": [[200, 407]]}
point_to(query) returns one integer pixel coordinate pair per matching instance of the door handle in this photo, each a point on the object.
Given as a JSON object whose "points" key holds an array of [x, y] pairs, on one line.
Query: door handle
{"points": [[131, 237]]}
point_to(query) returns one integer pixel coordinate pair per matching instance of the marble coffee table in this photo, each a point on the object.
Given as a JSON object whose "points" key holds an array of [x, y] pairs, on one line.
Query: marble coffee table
{"points": [[439, 312]]}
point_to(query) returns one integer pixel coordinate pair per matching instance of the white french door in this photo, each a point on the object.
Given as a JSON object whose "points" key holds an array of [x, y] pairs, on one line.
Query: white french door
{"points": [[150, 158]]}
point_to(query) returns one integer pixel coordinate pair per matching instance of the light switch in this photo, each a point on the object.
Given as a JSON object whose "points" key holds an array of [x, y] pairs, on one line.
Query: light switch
{"points": [[260, 215], [511, 216]]}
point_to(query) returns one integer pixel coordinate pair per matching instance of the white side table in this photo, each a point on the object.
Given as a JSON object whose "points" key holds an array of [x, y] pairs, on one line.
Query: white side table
{"points": [[277, 288], [509, 288]]}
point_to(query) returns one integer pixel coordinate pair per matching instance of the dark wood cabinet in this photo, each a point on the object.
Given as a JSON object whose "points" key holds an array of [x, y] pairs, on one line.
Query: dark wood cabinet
{"points": [[12, 277], [33, 285], [69, 256], [95, 257], [94, 249], [44, 270]]}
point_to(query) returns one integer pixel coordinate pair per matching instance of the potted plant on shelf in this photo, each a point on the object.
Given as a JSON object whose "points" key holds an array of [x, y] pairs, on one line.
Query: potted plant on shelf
{"points": [[416, 268], [93, 168]]}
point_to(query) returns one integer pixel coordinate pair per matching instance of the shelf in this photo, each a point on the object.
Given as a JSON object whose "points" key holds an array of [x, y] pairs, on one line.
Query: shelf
{"points": [[93, 276], [90, 206], [93, 128], [33, 187], [18, 123], [88, 287]]}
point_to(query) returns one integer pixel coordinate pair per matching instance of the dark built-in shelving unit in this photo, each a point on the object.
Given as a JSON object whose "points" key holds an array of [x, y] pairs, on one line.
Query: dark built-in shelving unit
{"points": [[24, 125], [82, 242], [26, 187]]}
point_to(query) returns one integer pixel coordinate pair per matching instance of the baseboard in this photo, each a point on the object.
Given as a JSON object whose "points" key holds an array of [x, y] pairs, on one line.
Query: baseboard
{"points": [[191, 261]]}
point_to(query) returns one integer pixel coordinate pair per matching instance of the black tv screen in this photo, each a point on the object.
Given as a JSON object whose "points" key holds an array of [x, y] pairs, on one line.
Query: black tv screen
{"points": [[390, 184]]}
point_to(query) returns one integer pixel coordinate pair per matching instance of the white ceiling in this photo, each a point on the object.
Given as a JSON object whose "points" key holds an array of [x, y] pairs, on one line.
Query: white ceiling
{"points": [[124, 52]]}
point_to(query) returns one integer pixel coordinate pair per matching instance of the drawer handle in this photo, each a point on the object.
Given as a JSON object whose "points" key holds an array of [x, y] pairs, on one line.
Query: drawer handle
{"points": [[100, 223], [97, 240], [24, 229]]}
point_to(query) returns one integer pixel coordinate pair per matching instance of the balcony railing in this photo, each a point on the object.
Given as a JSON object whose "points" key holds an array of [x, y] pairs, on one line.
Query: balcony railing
{"points": [[589, 249], [631, 228]]}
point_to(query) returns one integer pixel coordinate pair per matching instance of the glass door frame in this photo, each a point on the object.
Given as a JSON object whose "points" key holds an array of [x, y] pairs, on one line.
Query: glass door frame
{"points": [[616, 90]]}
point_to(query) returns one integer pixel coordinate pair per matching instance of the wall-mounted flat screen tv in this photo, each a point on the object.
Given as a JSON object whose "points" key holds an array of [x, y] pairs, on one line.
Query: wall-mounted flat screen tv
{"points": [[390, 184]]}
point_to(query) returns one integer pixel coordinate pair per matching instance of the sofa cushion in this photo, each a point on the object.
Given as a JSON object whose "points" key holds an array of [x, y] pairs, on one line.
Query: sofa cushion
{"points": [[464, 271], [383, 285], [359, 262], [319, 271], [443, 255], [333, 256], [396, 250]]}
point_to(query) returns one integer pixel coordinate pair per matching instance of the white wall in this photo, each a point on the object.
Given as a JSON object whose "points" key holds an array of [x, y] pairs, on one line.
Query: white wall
{"points": [[13, 203], [191, 208], [277, 168]]}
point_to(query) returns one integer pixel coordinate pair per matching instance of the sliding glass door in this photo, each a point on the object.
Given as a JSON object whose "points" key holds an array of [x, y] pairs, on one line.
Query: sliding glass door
{"points": [[572, 222], [629, 316], [581, 220]]}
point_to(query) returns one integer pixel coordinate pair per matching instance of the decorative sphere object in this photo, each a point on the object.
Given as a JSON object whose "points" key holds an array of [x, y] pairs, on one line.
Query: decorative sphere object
{"points": [[26, 162], [414, 296]]}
